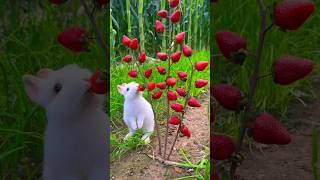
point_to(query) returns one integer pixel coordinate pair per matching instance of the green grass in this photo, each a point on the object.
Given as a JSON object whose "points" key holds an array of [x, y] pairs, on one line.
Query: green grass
{"points": [[119, 76], [26, 46], [243, 17]]}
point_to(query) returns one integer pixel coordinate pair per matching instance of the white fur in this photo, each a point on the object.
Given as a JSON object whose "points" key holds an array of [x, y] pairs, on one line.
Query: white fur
{"points": [[75, 137], [137, 112]]}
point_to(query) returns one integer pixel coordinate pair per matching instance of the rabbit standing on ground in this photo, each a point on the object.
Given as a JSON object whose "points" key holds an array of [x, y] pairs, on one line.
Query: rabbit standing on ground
{"points": [[138, 112], [75, 137]]}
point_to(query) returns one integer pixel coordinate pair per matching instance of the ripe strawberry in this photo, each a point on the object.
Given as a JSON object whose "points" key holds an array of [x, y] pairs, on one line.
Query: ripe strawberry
{"points": [[171, 81], [181, 92], [221, 147], [291, 14], [201, 83], [288, 69], [227, 96], [180, 37], [126, 41], [230, 43], [97, 85], [185, 131], [182, 75], [133, 73], [177, 107], [187, 51], [174, 3], [74, 38], [174, 120], [159, 26], [162, 56], [175, 17], [157, 95], [57, 2], [163, 14], [134, 44], [140, 87], [268, 130], [176, 57], [148, 73], [193, 102], [151, 86], [161, 70], [201, 65], [142, 57], [161, 85], [171, 96], [127, 59]]}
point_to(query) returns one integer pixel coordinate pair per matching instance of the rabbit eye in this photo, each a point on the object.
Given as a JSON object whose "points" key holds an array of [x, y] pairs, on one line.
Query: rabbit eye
{"points": [[57, 87], [128, 89]]}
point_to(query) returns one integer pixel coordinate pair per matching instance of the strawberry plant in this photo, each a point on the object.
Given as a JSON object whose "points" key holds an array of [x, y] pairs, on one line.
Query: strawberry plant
{"points": [[176, 98], [287, 15]]}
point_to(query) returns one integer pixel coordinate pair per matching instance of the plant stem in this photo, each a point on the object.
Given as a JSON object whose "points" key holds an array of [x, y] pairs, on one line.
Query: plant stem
{"points": [[184, 109], [128, 4], [254, 81], [141, 28], [168, 88]]}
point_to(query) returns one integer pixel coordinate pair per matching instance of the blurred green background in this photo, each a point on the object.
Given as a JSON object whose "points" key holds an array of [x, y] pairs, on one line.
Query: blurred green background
{"points": [[28, 42]]}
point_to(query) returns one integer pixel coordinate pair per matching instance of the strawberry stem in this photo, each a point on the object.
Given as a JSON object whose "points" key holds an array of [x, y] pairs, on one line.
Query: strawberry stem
{"points": [[254, 81]]}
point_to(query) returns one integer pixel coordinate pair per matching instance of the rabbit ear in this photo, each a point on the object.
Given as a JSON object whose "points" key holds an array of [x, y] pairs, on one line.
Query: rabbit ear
{"points": [[32, 87], [44, 73], [120, 88]]}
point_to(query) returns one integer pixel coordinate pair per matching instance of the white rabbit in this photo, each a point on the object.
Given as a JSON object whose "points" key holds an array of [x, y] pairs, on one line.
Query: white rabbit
{"points": [[137, 112], [75, 144]]}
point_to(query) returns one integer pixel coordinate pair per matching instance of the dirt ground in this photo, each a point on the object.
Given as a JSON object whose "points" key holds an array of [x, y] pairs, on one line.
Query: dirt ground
{"points": [[289, 162], [138, 166]]}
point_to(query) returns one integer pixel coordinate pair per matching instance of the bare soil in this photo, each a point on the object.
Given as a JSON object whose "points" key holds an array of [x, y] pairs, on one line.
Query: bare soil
{"points": [[137, 165], [289, 162]]}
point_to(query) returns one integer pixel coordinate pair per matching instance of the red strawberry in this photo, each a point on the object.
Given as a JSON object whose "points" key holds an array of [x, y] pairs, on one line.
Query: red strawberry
{"points": [[193, 102], [174, 120], [227, 96], [177, 107], [291, 14], [133, 73], [74, 38], [161, 85], [289, 69], [159, 26], [182, 75], [175, 17], [187, 51], [57, 2], [140, 87], [102, 2], [185, 131], [126, 41], [163, 14], [230, 43], [171, 81], [201, 65], [162, 56], [176, 57], [213, 112], [142, 57], [157, 95], [180, 37], [151, 86], [174, 3], [127, 59], [171, 96], [181, 92], [97, 85], [148, 73], [268, 130], [134, 44], [201, 83], [161, 70], [221, 147]]}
